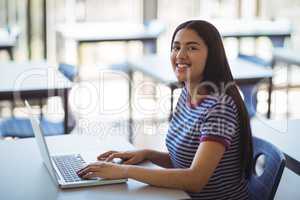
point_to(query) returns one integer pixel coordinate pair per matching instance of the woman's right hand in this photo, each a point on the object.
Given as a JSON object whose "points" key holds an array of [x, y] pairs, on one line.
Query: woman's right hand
{"points": [[128, 157]]}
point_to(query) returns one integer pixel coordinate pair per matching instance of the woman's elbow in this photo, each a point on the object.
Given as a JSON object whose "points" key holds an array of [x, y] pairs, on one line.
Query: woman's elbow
{"points": [[195, 186], [195, 181]]}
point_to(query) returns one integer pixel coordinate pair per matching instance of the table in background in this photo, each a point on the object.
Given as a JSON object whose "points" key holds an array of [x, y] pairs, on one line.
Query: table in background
{"points": [[7, 41], [33, 80], [160, 69], [96, 32], [30, 179], [277, 31], [287, 58]]}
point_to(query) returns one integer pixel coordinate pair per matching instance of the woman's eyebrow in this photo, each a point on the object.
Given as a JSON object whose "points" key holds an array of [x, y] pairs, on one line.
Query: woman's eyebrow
{"points": [[192, 42], [187, 43]]}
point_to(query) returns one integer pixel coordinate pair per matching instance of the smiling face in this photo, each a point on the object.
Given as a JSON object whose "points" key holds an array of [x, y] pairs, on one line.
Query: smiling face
{"points": [[188, 56]]}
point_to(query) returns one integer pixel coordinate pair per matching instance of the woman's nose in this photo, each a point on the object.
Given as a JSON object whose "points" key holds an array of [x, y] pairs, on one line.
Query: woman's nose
{"points": [[182, 53]]}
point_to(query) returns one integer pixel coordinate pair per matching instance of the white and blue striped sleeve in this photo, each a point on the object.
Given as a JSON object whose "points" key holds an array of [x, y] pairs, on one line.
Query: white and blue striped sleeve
{"points": [[221, 122]]}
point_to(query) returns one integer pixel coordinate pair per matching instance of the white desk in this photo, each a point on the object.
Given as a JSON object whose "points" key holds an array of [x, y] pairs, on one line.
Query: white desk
{"points": [[276, 30], [33, 80], [160, 69], [284, 134], [23, 175], [286, 58], [95, 32]]}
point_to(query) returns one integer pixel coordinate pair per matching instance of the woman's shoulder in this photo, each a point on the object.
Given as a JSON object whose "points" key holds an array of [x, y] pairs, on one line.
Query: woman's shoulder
{"points": [[224, 101], [211, 101]]}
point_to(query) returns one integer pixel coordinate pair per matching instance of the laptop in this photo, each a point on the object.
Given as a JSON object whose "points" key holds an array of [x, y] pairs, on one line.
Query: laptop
{"points": [[62, 168]]}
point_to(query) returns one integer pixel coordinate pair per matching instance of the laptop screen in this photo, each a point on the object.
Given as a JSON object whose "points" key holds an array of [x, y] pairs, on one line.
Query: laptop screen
{"points": [[40, 139]]}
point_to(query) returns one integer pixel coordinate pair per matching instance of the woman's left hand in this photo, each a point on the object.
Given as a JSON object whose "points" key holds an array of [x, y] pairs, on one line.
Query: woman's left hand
{"points": [[105, 170]]}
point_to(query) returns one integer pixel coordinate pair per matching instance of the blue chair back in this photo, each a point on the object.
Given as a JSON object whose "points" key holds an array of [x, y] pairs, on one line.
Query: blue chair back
{"points": [[263, 186], [21, 127], [69, 71], [255, 59]]}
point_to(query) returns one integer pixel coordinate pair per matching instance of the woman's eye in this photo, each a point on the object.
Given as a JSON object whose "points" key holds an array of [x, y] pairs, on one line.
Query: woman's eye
{"points": [[175, 48], [191, 48]]}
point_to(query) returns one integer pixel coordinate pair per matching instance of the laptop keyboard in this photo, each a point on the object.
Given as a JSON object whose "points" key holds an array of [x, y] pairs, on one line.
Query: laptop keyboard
{"points": [[68, 165]]}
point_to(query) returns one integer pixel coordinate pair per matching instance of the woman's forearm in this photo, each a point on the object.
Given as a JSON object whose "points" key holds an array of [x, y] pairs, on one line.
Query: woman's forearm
{"points": [[159, 158], [184, 179]]}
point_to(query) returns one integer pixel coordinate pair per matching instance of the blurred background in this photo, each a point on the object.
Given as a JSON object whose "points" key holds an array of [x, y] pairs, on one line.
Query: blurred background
{"points": [[40, 30]]}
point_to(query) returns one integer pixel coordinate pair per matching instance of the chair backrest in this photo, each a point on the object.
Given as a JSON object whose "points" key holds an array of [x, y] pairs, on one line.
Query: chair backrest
{"points": [[263, 186], [255, 59], [21, 128], [69, 71]]}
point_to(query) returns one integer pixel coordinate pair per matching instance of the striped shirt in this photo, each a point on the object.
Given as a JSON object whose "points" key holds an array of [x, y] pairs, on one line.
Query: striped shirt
{"points": [[213, 119]]}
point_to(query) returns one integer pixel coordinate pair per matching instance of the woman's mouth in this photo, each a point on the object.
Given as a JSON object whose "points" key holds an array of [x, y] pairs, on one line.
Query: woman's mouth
{"points": [[182, 67]]}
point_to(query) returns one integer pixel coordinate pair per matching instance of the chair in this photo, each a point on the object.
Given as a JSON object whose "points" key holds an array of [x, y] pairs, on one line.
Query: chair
{"points": [[248, 90], [263, 186], [255, 59], [20, 127], [69, 71]]}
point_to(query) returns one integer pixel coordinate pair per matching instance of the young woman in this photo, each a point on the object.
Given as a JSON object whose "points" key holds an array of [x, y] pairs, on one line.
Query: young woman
{"points": [[209, 137]]}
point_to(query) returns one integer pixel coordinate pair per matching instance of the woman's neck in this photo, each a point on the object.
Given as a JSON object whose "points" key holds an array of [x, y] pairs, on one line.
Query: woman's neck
{"points": [[196, 92]]}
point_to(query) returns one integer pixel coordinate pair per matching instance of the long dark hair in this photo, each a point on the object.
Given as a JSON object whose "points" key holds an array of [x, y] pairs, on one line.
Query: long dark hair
{"points": [[217, 72]]}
